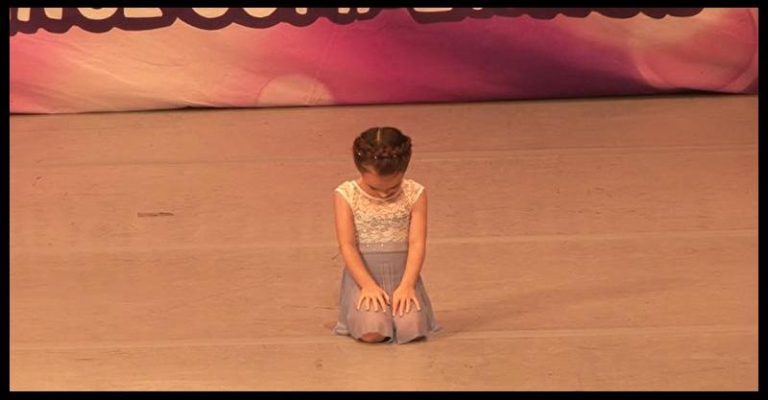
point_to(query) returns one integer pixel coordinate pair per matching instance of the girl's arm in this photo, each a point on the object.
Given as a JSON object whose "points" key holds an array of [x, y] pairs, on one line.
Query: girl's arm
{"points": [[345, 235], [417, 241]]}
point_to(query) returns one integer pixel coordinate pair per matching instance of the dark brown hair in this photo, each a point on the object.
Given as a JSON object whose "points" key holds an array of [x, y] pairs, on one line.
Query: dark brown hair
{"points": [[385, 150]]}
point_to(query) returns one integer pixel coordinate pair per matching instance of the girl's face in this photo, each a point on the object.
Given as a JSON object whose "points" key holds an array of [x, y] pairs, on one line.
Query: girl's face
{"points": [[383, 187]]}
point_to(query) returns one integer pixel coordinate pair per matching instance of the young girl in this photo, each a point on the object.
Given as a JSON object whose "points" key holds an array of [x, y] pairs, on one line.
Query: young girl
{"points": [[381, 227]]}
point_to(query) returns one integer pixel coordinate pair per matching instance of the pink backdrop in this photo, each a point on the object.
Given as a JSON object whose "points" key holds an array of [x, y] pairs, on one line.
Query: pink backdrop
{"points": [[83, 60]]}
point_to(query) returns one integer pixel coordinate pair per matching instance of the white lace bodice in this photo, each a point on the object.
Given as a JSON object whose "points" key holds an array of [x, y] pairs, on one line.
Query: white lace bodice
{"points": [[381, 224]]}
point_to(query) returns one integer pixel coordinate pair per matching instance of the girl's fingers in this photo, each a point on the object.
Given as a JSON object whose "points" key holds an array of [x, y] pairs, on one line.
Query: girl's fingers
{"points": [[418, 306], [408, 306], [380, 300]]}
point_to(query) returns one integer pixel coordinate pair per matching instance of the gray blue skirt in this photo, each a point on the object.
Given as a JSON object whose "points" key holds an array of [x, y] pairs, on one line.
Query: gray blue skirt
{"points": [[386, 267]]}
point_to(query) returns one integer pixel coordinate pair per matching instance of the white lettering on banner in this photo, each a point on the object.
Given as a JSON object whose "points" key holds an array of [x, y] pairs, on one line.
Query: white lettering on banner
{"points": [[142, 12], [54, 13], [59, 20], [22, 14], [359, 10], [209, 12], [97, 13], [432, 9], [260, 12]]}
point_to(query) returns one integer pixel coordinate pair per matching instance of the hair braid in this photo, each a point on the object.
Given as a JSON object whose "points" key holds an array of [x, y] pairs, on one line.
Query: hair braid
{"points": [[386, 150]]}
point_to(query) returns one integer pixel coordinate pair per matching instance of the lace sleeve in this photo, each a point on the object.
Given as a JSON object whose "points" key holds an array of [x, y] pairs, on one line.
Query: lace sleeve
{"points": [[414, 191], [345, 192]]}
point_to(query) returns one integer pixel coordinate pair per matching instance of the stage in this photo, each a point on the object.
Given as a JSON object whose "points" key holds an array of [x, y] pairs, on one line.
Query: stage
{"points": [[579, 244]]}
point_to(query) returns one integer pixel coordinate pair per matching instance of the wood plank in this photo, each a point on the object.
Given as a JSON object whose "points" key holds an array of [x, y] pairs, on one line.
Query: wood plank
{"points": [[601, 244]]}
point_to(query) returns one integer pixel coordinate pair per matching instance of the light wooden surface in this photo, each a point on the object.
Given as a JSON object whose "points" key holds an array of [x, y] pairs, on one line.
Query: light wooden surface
{"points": [[595, 244]]}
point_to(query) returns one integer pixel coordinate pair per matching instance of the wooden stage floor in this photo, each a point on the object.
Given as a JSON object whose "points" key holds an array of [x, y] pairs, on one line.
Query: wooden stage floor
{"points": [[588, 244]]}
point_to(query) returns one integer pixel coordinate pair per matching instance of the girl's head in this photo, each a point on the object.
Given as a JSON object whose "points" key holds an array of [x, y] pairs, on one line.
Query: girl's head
{"points": [[382, 156]]}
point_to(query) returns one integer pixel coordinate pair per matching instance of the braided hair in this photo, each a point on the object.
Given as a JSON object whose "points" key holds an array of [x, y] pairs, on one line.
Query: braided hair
{"points": [[385, 150]]}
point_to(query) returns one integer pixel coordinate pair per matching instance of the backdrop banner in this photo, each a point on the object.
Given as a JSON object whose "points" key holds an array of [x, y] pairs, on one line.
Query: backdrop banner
{"points": [[71, 60]]}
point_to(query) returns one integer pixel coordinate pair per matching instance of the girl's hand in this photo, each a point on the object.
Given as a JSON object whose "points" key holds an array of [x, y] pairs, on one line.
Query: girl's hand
{"points": [[402, 298], [373, 294]]}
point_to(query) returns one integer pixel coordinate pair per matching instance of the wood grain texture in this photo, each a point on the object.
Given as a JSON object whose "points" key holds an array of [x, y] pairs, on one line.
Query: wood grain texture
{"points": [[598, 244]]}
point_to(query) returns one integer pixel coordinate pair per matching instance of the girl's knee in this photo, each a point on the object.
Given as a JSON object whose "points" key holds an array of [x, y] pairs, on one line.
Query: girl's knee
{"points": [[370, 327], [411, 324], [372, 337], [369, 318]]}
